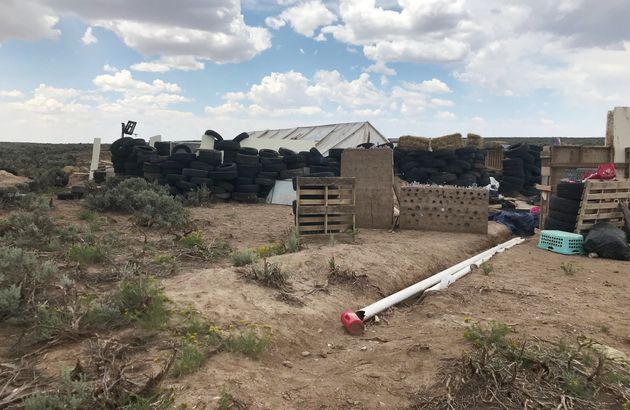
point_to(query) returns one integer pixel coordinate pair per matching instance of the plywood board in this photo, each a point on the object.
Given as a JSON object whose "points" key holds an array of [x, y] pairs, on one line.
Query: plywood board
{"points": [[446, 209], [373, 170]]}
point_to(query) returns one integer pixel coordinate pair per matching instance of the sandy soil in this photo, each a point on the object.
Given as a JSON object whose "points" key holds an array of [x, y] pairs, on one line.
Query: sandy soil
{"points": [[315, 364]]}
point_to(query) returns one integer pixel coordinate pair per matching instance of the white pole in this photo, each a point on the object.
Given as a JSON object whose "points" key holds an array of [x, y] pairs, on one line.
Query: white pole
{"points": [[438, 280], [96, 155], [153, 139]]}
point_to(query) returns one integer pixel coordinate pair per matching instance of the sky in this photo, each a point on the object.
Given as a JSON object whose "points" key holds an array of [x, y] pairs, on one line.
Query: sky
{"points": [[73, 70]]}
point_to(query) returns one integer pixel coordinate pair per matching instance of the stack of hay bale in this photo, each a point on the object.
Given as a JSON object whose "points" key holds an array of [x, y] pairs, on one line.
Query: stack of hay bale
{"points": [[447, 160], [229, 171], [521, 170]]}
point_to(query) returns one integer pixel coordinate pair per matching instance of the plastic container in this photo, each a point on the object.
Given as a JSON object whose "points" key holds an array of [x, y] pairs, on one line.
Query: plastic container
{"points": [[352, 323], [562, 242]]}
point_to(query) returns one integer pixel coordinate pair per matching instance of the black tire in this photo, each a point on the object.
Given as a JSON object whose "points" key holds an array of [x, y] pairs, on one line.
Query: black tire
{"points": [[443, 178], [240, 137], [408, 165], [568, 206], [249, 171], [563, 217], [214, 134], [174, 178], [225, 172], [244, 159], [453, 169], [466, 150], [265, 182], [513, 163], [315, 160], [228, 145], [516, 181], [556, 225], [465, 165], [507, 188], [179, 148], [296, 165], [291, 173], [286, 151], [65, 196], [184, 157], [210, 156], [248, 151], [517, 150], [186, 186], [163, 147], [224, 196], [335, 153], [570, 190], [151, 169], [444, 153], [200, 165], [191, 172], [293, 159], [217, 190], [228, 187], [248, 189], [244, 181], [267, 153], [268, 174], [315, 152], [274, 167], [317, 168]]}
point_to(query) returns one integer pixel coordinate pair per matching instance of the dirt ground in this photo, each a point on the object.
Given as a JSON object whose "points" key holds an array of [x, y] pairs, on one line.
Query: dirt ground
{"points": [[315, 364]]}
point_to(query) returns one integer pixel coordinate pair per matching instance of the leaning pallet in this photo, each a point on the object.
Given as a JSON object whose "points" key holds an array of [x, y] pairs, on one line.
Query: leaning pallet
{"points": [[325, 206], [600, 203]]}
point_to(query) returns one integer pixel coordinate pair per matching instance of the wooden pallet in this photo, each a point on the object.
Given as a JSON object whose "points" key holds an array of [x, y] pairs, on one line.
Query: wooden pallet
{"points": [[325, 206], [600, 203]]}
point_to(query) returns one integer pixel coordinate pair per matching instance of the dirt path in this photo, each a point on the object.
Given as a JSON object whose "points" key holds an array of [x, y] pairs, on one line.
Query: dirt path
{"points": [[527, 289]]}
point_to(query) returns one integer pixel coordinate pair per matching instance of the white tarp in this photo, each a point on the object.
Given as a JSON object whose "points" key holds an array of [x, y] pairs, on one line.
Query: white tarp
{"points": [[282, 193]]}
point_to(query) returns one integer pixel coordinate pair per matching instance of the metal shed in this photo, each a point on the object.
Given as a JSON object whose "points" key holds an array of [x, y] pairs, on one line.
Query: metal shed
{"points": [[347, 135]]}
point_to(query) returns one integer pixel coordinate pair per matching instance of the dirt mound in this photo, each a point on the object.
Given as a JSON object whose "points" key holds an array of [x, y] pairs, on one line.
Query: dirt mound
{"points": [[7, 179]]}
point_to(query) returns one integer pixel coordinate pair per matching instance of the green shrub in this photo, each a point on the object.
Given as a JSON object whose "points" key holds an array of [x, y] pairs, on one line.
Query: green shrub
{"points": [[35, 230], [270, 274], [101, 315], [250, 342], [189, 358], [72, 394], [21, 271], [86, 254], [244, 257], [492, 335], [9, 301], [142, 300], [150, 204], [193, 239], [87, 215], [50, 321], [293, 242]]}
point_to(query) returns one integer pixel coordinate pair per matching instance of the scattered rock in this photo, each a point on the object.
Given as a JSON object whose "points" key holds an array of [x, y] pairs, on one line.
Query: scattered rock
{"points": [[364, 348], [306, 353], [287, 363]]}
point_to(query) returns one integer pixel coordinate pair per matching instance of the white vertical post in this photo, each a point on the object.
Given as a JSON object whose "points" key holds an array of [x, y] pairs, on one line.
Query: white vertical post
{"points": [[207, 142], [96, 155]]}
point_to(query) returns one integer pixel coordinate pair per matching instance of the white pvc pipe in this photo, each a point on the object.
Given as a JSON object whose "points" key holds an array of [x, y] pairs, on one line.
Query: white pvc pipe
{"points": [[439, 280], [96, 154]]}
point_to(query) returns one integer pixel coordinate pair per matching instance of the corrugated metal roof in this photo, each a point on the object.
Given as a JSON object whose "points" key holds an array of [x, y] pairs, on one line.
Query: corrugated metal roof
{"points": [[325, 137]]}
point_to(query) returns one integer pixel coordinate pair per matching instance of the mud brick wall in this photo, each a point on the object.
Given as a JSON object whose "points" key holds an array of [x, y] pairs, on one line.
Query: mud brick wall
{"points": [[444, 208], [374, 176]]}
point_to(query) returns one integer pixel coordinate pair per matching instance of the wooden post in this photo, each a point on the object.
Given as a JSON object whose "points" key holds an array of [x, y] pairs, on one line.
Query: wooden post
{"points": [[96, 155]]}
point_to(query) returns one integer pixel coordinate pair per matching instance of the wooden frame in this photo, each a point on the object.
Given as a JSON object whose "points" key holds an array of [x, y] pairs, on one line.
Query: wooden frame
{"points": [[325, 206], [494, 159], [600, 203]]}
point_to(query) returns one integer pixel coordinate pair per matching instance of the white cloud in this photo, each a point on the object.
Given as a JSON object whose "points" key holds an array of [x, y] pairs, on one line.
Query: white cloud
{"points": [[547, 121], [429, 86], [445, 115], [88, 37], [442, 103], [381, 68], [109, 68], [304, 18], [164, 64], [27, 20], [208, 30], [123, 82], [11, 93]]}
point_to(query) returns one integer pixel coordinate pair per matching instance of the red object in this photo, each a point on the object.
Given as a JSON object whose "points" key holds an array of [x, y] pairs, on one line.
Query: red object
{"points": [[604, 171], [352, 323]]}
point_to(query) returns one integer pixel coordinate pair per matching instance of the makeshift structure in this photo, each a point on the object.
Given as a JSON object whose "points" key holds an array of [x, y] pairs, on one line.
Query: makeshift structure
{"points": [[347, 135], [325, 206]]}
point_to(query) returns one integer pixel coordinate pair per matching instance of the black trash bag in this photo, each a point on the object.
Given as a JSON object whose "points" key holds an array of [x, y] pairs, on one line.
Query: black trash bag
{"points": [[607, 241]]}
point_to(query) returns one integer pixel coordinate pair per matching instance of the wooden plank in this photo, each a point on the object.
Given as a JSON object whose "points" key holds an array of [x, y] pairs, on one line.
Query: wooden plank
{"points": [[605, 215], [544, 188], [324, 202], [603, 205], [592, 197], [321, 210], [331, 191], [587, 226], [320, 228], [310, 181], [321, 218]]}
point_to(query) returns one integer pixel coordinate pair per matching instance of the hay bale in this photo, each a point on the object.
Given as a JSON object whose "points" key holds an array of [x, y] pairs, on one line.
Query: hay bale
{"points": [[410, 143], [451, 141], [474, 140]]}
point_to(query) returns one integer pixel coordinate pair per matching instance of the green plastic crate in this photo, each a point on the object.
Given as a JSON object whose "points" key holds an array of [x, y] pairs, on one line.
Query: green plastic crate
{"points": [[566, 243]]}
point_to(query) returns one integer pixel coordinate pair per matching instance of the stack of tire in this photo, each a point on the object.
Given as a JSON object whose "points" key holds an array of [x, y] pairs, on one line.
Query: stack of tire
{"points": [[521, 170], [463, 166], [128, 155], [564, 207]]}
